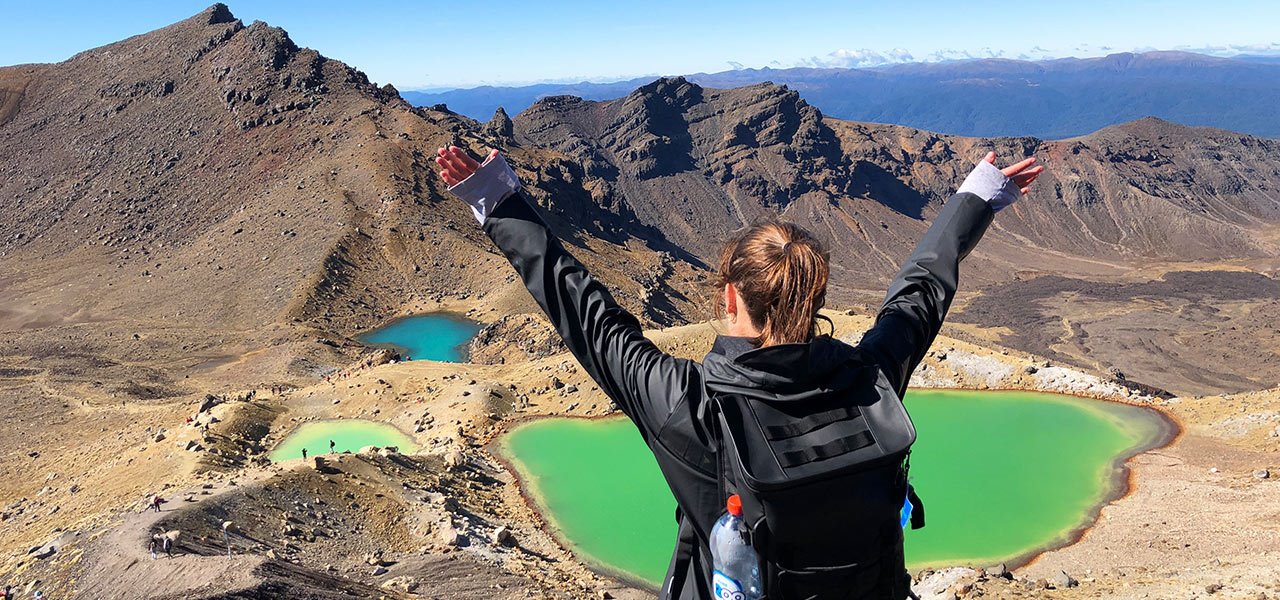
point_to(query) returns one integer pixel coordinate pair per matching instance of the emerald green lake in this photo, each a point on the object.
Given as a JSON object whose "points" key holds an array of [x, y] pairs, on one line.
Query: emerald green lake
{"points": [[437, 336], [348, 435], [1003, 474]]}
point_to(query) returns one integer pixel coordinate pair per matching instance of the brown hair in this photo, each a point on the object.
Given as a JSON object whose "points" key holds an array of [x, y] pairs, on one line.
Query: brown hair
{"points": [[780, 270]]}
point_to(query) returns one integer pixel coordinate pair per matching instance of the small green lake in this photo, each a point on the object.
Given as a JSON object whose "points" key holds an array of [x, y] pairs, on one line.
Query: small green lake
{"points": [[436, 336], [1003, 474], [348, 435]]}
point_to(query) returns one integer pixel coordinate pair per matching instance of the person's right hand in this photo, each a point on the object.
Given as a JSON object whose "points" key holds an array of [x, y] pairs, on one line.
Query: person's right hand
{"points": [[456, 165], [482, 185]]}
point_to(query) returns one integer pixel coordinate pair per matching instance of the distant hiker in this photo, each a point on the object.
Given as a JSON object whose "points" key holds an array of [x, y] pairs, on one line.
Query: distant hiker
{"points": [[226, 539], [304, 454], [39, 595], [332, 447], [166, 544], [8, 593], [156, 501], [151, 546], [809, 432]]}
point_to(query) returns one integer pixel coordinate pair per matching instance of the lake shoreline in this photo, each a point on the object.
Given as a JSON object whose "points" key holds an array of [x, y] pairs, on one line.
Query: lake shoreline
{"points": [[1121, 482], [545, 521], [463, 349]]}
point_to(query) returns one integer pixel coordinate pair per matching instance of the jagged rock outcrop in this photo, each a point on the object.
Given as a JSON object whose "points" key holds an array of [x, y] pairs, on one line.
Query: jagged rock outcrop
{"points": [[500, 126]]}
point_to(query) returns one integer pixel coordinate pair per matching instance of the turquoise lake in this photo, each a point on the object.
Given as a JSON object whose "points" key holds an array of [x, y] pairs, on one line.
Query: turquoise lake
{"points": [[437, 336], [347, 435]]}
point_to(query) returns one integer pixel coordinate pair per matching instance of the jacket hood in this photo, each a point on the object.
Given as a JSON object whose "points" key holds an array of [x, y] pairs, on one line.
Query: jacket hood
{"points": [[780, 372]]}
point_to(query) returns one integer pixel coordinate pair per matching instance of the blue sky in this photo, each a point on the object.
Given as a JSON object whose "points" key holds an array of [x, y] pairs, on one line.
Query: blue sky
{"points": [[461, 44]]}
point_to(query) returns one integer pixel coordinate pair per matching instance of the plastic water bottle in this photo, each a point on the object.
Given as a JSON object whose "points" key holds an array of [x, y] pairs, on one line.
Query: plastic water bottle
{"points": [[736, 574]]}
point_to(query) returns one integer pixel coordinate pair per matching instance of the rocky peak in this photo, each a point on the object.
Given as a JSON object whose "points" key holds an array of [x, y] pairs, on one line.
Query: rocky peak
{"points": [[673, 90], [216, 14], [500, 126]]}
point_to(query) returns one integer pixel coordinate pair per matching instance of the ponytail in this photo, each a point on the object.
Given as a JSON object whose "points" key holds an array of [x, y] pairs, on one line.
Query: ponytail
{"points": [[781, 272]]}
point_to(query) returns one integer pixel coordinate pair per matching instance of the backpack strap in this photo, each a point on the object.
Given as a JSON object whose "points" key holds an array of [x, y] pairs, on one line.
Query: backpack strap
{"points": [[807, 454], [811, 422], [725, 486]]}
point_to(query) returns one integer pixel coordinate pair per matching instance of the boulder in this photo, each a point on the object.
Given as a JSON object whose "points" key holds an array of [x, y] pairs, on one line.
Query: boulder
{"points": [[403, 583], [449, 536], [43, 552], [939, 585], [502, 536], [454, 460], [209, 402], [1063, 581]]}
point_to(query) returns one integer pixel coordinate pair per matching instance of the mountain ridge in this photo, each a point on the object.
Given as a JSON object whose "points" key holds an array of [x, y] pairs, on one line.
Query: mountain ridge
{"points": [[984, 97]]}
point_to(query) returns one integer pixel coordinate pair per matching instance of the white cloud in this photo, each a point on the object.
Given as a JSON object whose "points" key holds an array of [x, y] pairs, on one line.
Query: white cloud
{"points": [[853, 58], [861, 57], [1266, 48], [955, 54]]}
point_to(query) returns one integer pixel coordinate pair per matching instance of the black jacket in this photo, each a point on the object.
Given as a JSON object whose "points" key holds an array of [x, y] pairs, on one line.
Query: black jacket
{"points": [[664, 395]]}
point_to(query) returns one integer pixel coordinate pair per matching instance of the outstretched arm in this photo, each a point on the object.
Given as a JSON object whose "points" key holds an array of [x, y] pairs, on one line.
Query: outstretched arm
{"points": [[645, 382], [920, 296]]}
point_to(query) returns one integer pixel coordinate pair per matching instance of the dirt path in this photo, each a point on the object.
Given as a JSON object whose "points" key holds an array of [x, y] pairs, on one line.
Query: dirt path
{"points": [[117, 565]]}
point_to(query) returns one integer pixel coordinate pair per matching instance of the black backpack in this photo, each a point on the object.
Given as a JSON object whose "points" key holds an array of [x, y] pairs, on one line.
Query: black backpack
{"points": [[822, 477]]}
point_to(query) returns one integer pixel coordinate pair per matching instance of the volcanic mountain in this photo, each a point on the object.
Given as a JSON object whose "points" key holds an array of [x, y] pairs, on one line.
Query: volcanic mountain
{"points": [[217, 180], [692, 161]]}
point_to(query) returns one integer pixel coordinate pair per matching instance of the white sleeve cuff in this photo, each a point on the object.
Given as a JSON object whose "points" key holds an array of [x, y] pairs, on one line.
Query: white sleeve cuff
{"points": [[488, 186], [990, 184]]}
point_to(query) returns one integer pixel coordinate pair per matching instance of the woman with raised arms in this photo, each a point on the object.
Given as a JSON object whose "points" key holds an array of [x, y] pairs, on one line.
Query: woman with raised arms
{"points": [[806, 433]]}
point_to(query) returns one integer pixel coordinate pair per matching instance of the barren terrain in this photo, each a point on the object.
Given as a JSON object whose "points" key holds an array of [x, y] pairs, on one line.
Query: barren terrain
{"points": [[198, 220]]}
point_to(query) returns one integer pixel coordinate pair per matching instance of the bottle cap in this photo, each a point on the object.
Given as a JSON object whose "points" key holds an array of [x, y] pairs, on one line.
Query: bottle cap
{"points": [[734, 505]]}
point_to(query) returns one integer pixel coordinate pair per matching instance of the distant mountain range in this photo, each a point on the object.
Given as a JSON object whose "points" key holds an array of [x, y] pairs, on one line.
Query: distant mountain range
{"points": [[994, 97]]}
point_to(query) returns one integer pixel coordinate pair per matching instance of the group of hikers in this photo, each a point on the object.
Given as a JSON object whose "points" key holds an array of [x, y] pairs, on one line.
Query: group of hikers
{"points": [[800, 437], [160, 541], [333, 449]]}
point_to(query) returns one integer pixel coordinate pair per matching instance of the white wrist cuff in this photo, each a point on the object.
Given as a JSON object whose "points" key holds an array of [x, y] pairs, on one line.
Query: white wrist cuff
{"points": [[488, 186], [990, 184]]}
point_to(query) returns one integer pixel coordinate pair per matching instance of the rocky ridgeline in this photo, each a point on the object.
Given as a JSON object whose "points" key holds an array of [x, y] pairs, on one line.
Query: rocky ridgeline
{"points": [[695, 163], [951, 368]]}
